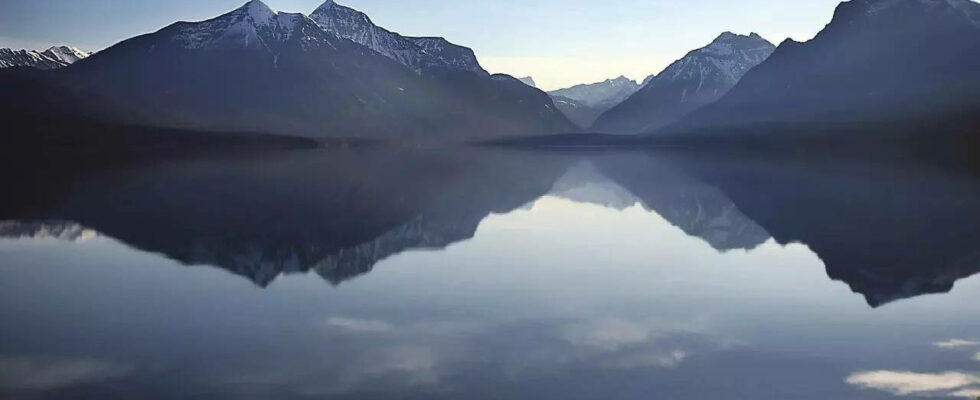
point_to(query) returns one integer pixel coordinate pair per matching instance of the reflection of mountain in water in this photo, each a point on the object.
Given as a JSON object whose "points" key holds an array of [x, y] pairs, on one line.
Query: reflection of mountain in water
{"points": [[696, 208], [888, 234], [60, 230], [583, 183], [336, 212]]}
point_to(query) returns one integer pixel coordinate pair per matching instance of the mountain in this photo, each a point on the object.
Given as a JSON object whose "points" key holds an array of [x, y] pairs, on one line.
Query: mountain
{"points": [[701, 77], [608, 92], [52, 58], [256, 70], [419, 53], [584, 103], [528, 81], [905, 63]]}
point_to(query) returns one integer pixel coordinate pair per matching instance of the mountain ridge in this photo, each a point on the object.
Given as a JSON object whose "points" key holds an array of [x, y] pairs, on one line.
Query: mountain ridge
{"points": [[53, 58], [256, 70]]}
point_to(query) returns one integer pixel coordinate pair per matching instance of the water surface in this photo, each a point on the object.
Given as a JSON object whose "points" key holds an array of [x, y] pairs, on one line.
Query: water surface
{"points": [[393, 273]]}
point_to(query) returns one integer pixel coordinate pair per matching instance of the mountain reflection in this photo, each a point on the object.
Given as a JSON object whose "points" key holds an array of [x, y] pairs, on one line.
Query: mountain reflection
{"points": [[888, 233]]}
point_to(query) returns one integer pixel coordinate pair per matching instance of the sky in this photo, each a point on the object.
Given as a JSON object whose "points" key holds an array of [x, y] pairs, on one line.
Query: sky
{"points": [[559, 43]]}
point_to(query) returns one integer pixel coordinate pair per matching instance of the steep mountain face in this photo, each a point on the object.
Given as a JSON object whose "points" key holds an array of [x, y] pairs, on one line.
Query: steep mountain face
{"points": [[53, 58], [419, 54], [701, 77], [877, 60], [450, 55], [255, 70], [584, 103]]}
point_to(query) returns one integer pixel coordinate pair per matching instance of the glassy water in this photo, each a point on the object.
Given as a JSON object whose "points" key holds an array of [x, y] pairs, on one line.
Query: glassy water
{"points": [[471, 274]]}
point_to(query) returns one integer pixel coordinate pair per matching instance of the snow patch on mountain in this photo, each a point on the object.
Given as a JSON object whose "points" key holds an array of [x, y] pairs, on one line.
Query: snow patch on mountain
{"points": [[66, 54], [729, 55], [253, 25]]}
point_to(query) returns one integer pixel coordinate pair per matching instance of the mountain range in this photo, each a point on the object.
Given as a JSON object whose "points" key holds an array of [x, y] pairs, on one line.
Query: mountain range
{"points": [[882, 71], [333, 75], [52, 58], [699, 78], [584, 103]]}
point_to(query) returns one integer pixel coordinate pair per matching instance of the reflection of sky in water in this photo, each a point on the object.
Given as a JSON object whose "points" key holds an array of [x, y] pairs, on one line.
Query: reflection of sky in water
{"points": [[557, 300]]}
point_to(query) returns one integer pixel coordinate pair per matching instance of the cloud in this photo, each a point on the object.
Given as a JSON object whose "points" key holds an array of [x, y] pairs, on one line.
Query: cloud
{"points": [[905, 383], [358, 325], [651, 359], [610, 334], [956, 343], [973, 393], [50, 373]]}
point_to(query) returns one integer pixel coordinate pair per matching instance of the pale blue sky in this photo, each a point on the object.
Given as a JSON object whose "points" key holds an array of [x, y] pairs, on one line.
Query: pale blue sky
{"points": [[558, 42]]}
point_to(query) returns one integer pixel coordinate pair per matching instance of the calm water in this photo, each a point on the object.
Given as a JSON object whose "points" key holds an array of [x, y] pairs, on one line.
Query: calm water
{"points": [[490, 274]]}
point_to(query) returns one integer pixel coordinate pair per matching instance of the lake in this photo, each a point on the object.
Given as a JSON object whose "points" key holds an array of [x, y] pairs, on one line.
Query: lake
{"points": [[468, 273]]}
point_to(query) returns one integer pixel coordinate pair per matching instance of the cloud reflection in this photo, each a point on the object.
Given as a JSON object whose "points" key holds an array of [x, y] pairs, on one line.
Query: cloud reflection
{"points": [[358, 325], [956, 343], [904, 383], [35, 373]]}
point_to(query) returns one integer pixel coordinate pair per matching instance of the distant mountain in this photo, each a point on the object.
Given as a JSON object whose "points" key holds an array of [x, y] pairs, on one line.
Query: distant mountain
{"points": [[255, 70], [52, 58], [584, 103], [528, 81], [701, 77], [419, 54], [608, 92], [911, 61]]}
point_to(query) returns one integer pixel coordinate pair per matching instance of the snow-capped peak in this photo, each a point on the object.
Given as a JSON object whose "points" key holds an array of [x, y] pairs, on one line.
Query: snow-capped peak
{"points": [[66, 54], [253, 25], [259, 13]]}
